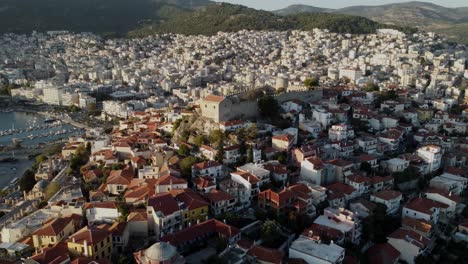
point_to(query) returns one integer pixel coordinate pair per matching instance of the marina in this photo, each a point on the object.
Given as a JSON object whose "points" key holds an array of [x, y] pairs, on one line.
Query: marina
{"points": [[29, 129], [23, 134]]}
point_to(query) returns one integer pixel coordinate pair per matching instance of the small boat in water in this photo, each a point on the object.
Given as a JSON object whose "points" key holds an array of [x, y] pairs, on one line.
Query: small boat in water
{"points": [[17, 140], [49, 120]]}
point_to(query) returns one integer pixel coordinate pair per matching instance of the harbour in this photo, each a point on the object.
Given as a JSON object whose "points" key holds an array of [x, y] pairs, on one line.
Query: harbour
{"points": [[23, 135]]}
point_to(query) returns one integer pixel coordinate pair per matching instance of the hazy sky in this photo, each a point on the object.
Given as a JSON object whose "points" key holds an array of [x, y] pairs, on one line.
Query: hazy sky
{"points": [[278, 4]]}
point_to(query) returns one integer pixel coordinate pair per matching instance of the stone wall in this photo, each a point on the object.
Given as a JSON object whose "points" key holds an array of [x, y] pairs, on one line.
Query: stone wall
{"points": [[232, 108]]}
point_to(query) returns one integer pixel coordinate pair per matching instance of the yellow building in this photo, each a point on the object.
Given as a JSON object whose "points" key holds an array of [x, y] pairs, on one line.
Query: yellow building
{"points": [[425, 114], [196, 206], [91, 242], [55, 231]]}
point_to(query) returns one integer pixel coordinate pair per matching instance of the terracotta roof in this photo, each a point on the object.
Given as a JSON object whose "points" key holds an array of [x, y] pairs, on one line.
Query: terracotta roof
{"points": [[379, 179], [301, 190], [410, 236], [252, 179], [341, 188], [137, 217], [91, 234], [215, 196], [264, 254], [201, 231], [419, 225], [121, 177], [170, 180], [316, 231], [163, 202], [203, 182], [387, 194], [52, 255], [206, 165], [191, 199], [107, 204], [358, 178], [382, 254], [53, 227], [443, 193], [424, 205], [214, 98], [280, 199], [276, 168]]}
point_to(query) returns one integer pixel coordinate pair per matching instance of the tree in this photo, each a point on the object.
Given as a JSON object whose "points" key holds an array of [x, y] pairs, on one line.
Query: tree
{"points": [[311, 82], [51, 190], [220, 152], [268, 106], [250, 155], [27, 181], [186, 164], [216, 136], [269, 232], [371, 87], [199, 140], [366, 167], [252, 132], [79, 158], [183, 150]]}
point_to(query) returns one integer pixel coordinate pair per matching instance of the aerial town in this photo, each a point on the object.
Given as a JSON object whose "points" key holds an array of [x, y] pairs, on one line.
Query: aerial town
{"points": [[245, 147]]}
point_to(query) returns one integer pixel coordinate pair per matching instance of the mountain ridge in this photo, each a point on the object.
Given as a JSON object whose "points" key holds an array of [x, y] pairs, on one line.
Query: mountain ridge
{"points": [[423, 15]]}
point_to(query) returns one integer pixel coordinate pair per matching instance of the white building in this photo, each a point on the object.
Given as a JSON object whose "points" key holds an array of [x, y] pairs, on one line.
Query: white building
{"points": [[409, 243], [340, 132], [449, 183], [389, 198], [313, 251], [101, 212], [432, 155], [343, 220], [52, 95]]}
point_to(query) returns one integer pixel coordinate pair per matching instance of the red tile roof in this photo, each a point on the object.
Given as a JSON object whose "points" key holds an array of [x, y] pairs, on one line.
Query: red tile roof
{"points": [[382, 254], [453, 197], [387, 194], [424, 205], [268, 255], [53, 255], [316, 231], [201, 231], [91, 234], [252, 179], [215, 196], [214, 98], [53, 227], [410, 236], [163, 202], [341, 188], [191, 199], [206, 165]]}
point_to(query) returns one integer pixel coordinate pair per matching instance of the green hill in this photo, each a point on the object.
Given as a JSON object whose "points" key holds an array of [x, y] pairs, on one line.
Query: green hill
{"points": [[24, 16], [227, 17], [143, 17]]}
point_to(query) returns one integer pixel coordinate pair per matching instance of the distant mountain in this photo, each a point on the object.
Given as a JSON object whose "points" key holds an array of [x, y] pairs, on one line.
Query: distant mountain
{"points": [[228, 17], [427, 16], [296, 9]]}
